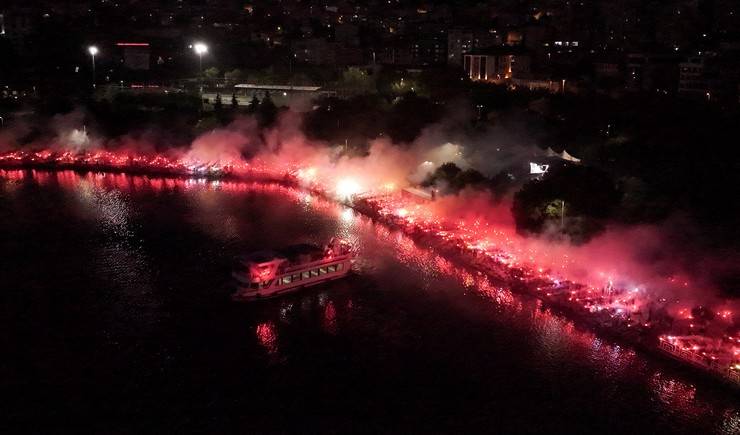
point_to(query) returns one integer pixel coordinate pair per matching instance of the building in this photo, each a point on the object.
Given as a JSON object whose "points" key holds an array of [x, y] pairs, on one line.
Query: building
{"points": [[459, 42], [608, 65], [496, 64], [607, 69], [462, 41], [427, 51], [652, 72], [692, 80]]}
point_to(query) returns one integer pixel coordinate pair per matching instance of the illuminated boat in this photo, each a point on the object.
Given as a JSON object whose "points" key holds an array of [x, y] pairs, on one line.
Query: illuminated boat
{"points": [[267, 274]]}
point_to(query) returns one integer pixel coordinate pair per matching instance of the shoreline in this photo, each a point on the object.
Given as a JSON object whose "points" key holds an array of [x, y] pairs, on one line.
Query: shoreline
{"points": [[517, 279]]}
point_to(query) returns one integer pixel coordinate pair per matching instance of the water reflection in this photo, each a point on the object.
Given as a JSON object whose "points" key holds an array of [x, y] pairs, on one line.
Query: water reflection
{"points": [[389, 262], [212, 213], [267, 336], [330, 318], [730, 422]]}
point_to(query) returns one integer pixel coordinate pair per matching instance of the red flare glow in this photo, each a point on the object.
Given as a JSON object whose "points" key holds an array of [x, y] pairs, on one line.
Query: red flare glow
{"points": [[494, 253]]}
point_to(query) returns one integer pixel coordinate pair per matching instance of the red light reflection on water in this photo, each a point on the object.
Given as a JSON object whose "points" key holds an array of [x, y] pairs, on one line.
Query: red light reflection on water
{"points": [[559, 339], [131, 183], [330, 318], [557, 335], [13, 174], [679, 401], [674, 393], [267, 337]]}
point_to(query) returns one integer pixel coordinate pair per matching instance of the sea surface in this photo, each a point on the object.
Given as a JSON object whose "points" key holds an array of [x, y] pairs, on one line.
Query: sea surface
{"points": [[117, 318]]}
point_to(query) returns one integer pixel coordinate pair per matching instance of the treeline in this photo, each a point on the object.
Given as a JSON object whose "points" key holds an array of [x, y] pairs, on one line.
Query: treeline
{"points": [[359, 119]]}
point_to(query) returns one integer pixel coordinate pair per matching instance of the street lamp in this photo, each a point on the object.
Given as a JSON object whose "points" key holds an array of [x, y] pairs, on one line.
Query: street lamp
{"points": [[93, 50], [200, 49]]}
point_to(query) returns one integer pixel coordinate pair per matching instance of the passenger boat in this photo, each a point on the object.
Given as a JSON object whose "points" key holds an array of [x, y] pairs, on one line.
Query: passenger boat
{"points": [[267, 274]]}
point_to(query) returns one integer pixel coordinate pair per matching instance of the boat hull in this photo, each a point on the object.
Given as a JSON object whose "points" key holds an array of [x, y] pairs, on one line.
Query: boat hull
{"points": [[292, 280]]}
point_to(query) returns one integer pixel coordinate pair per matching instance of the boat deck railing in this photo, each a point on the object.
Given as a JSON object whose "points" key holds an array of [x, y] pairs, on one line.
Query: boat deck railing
{"points": [[700, 360]]}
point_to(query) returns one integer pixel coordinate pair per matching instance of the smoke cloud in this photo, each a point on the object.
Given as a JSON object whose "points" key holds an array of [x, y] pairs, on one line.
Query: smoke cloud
{"points": [[646, 257]]}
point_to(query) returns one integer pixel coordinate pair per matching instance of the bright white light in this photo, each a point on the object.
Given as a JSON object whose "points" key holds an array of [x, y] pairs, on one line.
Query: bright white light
{"points": [[536, 168], [307, 174], [200, 48], [347, 187], [347, 215], [93, 50]]}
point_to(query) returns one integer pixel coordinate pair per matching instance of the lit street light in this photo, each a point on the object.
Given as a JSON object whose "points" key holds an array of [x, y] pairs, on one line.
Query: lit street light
{"points": [[93, 50], [200, 49], [562, 213]]}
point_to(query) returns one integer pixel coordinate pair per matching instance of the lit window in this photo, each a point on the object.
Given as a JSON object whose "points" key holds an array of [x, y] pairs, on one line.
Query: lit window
{"points": [[305, 275], [332, 268], [286, 280], [322, 271], [339, 267], [315, 272], [296, 277]]}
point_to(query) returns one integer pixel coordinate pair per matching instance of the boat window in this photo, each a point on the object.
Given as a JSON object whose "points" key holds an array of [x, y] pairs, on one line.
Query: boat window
{"points": [[322, 271], [286, 280], [305, 275], [315, 272], [266, 284], [332, 268], [339, 267], [296, 277]]}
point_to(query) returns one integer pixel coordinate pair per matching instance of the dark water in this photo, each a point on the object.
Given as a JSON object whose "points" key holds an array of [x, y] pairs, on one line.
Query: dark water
{"points": [[116, 319]]}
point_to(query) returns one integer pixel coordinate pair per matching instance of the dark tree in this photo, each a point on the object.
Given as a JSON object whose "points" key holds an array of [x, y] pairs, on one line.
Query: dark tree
{"points": [[451, 178], [254, 104], [357, 119], [576, 200], [267, 110], [218, 105], [409, 115]]}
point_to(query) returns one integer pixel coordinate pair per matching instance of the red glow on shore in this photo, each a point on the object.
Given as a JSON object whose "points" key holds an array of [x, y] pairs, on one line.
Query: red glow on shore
{"points": [[133, 161], [494, 253]]}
